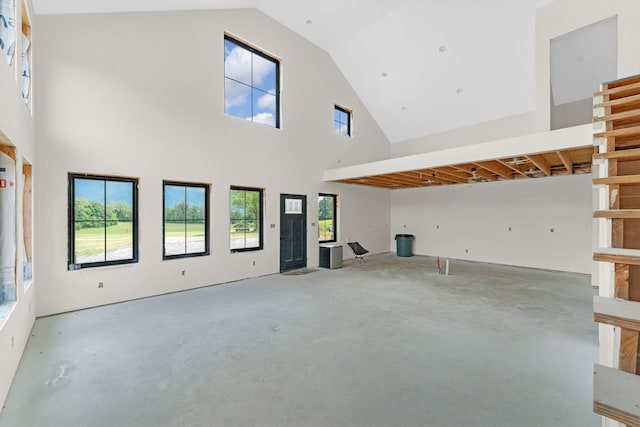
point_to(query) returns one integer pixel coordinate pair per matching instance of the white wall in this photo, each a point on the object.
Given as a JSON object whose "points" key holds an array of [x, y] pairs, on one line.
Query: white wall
{"points": [[564, 16], [507, 127], [448, 221], [17, 124], [142, 94]]}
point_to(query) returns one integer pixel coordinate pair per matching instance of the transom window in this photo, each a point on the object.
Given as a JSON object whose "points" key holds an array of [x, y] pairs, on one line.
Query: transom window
{"points": [[341, 121], [251, 83], [246, 219], [186, 219], [103, 220], [327, 222]]}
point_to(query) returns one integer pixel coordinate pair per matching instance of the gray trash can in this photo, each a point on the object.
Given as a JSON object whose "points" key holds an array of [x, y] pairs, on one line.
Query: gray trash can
{"points": [[404, 244]]}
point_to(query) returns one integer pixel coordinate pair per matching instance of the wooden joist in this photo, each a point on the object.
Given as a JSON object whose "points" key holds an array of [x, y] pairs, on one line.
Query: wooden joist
{"points": [[620, 91], [630, 102], [624, 132], [566, 160], [618, 213], [616, 395], [472, 169], [617, 180], [8, 150], [540, 163], [617, 255], [496, 168], [625, 155], [617, 312], [632, 114]]}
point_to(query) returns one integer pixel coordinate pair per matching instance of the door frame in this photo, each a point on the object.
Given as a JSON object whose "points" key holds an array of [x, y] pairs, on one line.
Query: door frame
{"points": [[303, 198]]}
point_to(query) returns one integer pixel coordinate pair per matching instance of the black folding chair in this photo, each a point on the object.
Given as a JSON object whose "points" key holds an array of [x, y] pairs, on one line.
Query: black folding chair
{"points": [[358, 250]]}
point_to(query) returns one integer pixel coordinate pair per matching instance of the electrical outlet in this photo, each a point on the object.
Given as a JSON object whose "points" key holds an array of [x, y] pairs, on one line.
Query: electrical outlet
{"points": [[183, 272], [254, 263], [437, 227], [100, 285], [466, 250], [509, 228], [553, 230]]}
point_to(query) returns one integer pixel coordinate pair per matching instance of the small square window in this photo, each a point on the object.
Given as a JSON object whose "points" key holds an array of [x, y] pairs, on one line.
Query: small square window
{"points": [[342, 121]]}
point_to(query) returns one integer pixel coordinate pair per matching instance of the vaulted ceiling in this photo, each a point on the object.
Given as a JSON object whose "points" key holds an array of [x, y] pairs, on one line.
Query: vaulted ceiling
{"points": [[420, 66]]}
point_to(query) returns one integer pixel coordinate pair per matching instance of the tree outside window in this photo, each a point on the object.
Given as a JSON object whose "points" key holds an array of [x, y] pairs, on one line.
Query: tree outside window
{"points": [[103, 221], [327, 204], [246, 219]]}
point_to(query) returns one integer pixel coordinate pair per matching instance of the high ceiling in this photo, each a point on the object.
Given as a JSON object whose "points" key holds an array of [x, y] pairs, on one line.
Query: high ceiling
{"points": [[420, 66]]}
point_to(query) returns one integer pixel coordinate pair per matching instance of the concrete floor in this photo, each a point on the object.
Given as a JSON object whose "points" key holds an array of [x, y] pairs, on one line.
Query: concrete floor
{"points": [[387, 343]]}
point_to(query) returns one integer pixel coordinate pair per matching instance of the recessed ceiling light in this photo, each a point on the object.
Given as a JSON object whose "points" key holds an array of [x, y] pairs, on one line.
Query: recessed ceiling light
{"points": [[459, 90], [383, 74], [309, 22], [403, 108], [442, 49]]}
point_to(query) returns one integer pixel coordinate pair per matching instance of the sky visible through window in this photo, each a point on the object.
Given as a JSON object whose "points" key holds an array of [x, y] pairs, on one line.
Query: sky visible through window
{"points": [[341, 121], [250, 85]]}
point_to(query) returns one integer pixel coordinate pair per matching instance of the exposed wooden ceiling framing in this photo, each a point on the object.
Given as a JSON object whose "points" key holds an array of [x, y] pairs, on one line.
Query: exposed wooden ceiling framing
{"points": [[536, 165]]}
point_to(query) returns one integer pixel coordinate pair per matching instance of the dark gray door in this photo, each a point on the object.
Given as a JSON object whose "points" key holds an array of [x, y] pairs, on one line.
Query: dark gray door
{"points": [[293, 232]]}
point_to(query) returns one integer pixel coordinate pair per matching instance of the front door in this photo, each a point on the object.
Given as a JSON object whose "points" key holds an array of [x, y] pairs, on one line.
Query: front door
{"points": [[293, 232]]}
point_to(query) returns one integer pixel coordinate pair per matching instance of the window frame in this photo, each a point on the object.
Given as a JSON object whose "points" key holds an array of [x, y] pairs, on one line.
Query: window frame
{"points": [[349, 120], [72, 265], [260, 220], [267, 57], [207, 225], [334, 197]]}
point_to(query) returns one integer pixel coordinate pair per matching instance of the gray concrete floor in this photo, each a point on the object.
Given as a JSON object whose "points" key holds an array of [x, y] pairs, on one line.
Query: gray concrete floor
{"points": [[386, 343]]}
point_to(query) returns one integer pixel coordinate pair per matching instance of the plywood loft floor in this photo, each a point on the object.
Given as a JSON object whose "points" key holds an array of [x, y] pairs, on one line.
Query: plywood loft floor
{"points": [[388, 342]]}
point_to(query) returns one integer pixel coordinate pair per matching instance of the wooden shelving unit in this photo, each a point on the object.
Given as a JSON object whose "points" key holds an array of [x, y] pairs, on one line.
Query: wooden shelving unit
{"points": [[617, 137]]}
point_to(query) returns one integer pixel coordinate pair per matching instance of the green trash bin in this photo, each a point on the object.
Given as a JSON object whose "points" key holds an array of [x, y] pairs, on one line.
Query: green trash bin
{"points": [[404, 244]]}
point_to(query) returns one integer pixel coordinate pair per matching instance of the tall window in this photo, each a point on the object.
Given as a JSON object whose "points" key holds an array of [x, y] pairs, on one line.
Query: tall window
{"points": [[103, 220], [342, 121], [186, 219], [251, 83], [246, 219], [327, 222]]}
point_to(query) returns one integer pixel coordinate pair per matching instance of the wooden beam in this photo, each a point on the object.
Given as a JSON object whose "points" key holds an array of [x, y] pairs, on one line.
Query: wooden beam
{"points": [[617, 255], [448, 177], [515, 169], [9, 151], [628, 360], [621, 279], [630, 155], [615, 395], [539, 161], [618, 213], [496, 167], [619, 180], [478, 172], [633, 114], [617, 312], [453, 171], [626, 90], [629, 100], [566, 160], [27, 210], [619, 133]]}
